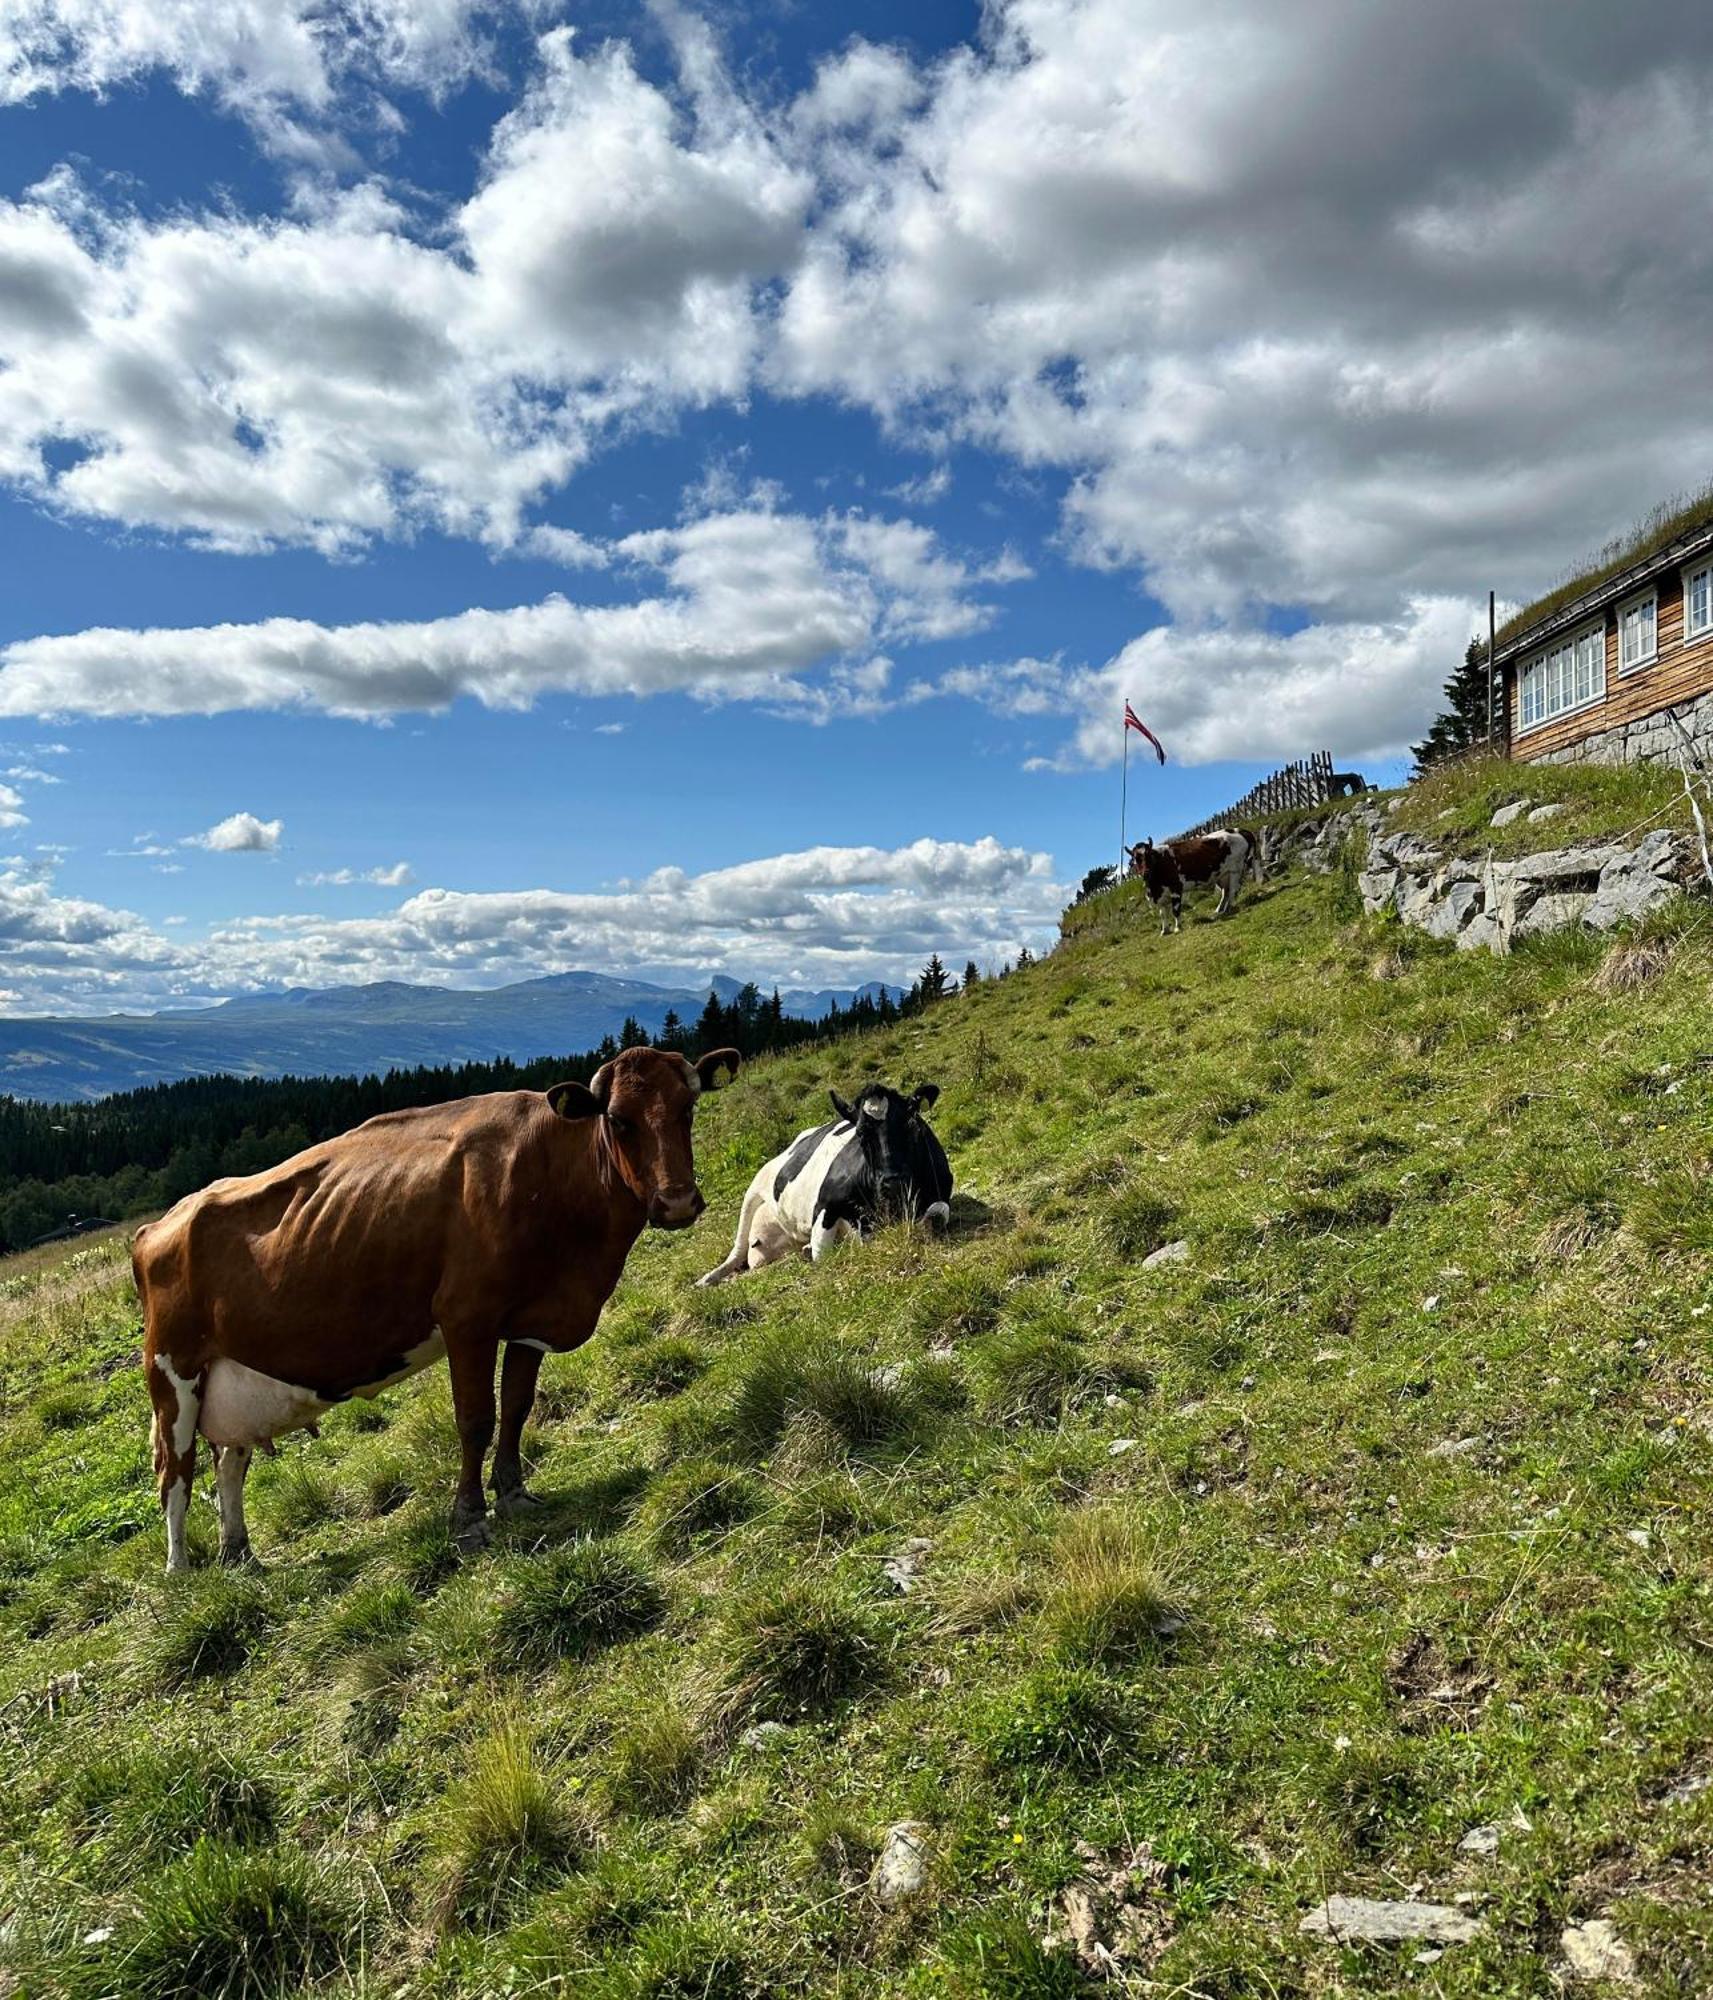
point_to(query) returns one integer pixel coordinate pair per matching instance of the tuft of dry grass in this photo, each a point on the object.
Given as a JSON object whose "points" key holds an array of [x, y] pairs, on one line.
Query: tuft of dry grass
{"points": [[503, 1829], [1630, 964], [1111, 1597]]}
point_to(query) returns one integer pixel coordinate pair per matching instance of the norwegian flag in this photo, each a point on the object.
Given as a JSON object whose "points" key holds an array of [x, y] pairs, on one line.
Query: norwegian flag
{"points": [[1133, 721]]}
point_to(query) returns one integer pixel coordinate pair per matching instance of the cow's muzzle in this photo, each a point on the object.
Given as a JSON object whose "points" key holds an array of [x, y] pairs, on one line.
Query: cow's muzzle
{"points": [[675, 1211]]}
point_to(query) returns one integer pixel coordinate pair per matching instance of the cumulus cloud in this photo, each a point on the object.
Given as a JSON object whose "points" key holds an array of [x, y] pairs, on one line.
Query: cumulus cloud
{"points": [[819, 916], [277, 63], [11, 808], [239, 833], [395, 877], [752, 601]]}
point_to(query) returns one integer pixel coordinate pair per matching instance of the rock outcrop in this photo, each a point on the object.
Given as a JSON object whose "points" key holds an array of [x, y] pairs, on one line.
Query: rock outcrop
{"points": [[1489, 904]]}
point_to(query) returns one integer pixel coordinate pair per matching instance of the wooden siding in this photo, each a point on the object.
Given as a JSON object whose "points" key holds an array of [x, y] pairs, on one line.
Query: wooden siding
{"points": [[1677, 673]]}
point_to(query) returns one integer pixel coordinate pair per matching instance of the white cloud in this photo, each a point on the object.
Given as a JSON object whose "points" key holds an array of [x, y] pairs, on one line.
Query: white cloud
{"points": [[31, 774], [239, 833], [395, 877], [275, 62], [11, 808], [821, 916], [752, 601]]}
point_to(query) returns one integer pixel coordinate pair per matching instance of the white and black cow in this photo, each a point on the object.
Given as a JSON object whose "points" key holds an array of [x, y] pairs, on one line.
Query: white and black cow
{"points": [[877, 1161]]}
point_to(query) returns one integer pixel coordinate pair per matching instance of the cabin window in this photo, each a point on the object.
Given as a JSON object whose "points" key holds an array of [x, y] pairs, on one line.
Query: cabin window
{"points": [[1637, 632], [1567, 676], [1698, 601]]}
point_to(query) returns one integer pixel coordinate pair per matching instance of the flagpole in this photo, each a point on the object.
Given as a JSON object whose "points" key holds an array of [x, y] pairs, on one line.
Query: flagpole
{"points": [[1123, 797]]}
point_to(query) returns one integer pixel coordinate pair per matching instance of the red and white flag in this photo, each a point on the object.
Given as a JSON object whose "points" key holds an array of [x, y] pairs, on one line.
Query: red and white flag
{"points": [[1133, 721]]}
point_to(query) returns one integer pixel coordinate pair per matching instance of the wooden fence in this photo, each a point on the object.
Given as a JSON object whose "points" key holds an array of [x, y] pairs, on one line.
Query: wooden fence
{"points": [[1310, 782]]}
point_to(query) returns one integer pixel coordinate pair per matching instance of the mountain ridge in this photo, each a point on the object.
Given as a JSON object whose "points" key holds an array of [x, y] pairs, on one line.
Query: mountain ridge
{"points": [[352, 1030]]}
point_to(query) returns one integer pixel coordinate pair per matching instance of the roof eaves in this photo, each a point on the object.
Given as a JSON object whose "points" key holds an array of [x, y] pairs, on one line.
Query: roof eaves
{"points": [[1602, 594]]}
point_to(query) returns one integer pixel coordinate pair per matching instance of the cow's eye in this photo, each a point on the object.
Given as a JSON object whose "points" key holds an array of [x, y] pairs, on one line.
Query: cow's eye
{"points": [[622, 1126]]}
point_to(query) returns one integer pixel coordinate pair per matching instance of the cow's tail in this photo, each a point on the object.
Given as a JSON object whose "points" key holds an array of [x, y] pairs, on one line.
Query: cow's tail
{"points": [[1256, 867], [738, 1262]]}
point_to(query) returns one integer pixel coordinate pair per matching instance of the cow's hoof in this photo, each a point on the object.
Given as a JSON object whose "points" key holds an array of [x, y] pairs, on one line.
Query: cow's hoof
{"points": [[234, 1553], [470, 1538], [519, 1501]]}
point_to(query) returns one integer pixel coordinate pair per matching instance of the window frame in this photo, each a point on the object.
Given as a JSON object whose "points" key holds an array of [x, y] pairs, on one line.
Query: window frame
{"points": [[1647, 659], [1566, 675], [1702, 566]]}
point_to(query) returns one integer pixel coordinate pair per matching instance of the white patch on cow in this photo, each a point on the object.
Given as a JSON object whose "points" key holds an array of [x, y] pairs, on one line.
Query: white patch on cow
{"points": [[938, 1215], [184, 1414], [540, 1346], [875, 1108], [823, 1236], [177, 1501], [772, 1226], [240, 1405]]}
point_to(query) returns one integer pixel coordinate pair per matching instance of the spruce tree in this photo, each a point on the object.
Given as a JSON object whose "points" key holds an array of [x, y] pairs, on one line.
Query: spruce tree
{"points": [[1463, 721]]}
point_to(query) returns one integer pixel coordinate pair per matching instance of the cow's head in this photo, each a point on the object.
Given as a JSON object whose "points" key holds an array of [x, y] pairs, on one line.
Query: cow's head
{"points": [[644, 1099], [888, 1126], [1139, 856]]}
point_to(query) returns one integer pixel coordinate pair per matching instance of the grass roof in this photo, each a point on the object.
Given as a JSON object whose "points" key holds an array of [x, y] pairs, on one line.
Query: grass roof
{"points": [[1668, 522]]}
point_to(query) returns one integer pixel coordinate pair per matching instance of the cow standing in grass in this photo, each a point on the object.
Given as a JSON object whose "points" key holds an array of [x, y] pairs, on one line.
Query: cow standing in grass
{"points": [[877, 1161], [1223, 856], [455, 1230]]}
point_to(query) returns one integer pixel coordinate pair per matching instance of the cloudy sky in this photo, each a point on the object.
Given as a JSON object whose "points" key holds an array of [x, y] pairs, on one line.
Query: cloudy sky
{"points": [[489, 488]]}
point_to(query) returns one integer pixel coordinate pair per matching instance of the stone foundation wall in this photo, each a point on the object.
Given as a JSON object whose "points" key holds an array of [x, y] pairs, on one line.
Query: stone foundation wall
{"points": [[1489, 904], [1645, 741]]}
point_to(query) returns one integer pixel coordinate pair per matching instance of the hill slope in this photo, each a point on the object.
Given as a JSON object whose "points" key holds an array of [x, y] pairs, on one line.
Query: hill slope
{"points": [[1370, 1522]]}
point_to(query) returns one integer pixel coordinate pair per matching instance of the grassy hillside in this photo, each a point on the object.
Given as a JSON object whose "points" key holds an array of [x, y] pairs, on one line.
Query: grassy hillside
{"points": [[1276, 1569]]}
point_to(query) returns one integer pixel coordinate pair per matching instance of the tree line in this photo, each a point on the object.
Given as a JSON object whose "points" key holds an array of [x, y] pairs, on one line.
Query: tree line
{"points": [[138, 1151]]}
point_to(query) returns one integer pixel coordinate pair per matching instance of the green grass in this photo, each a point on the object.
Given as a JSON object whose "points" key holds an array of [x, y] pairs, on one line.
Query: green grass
{"points": [[1403, 1534], [1453, 806]]}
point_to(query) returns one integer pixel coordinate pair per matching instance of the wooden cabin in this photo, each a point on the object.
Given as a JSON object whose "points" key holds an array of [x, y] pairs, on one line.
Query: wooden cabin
{"points": [[1598, 674]]}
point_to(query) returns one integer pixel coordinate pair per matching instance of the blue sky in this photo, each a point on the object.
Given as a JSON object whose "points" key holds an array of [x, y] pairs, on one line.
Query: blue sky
{"points": [[520, 487]]}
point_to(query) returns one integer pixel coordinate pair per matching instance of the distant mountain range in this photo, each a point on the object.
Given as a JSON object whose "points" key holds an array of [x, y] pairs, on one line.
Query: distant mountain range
{"points": [[351, 1030]]}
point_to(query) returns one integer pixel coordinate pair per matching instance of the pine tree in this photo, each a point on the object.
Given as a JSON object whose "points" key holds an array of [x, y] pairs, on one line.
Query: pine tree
{"points": [[933, 982], [1093, 882], [972, 976], [631, 1034], [1025, 957], [1463, 720]]}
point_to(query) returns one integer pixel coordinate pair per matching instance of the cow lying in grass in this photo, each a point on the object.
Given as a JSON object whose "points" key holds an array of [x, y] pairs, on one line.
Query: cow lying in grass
{"points": [[1223, 856], [453, 1230], [877, 1161]]}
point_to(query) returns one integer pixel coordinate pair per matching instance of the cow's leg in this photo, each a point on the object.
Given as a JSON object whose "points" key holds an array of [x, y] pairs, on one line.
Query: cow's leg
{"points": [[472, 1372], [937, 1216], [1177, 910], [517, 1398], [739, 1260], [823, 1235], [177, 1401], [231, 1469]]}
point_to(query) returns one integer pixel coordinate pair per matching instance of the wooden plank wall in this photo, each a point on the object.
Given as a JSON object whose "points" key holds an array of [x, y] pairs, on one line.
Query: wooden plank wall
{"points": [[1679, 672]]}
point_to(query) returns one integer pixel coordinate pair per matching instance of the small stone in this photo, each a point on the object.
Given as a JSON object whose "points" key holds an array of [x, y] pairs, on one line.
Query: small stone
{"points": [[1640, 1536], [1594, 1950], [760, 1734], [889, 1378], [1431, 1303], [100, 1934], [1541, 814], [903, 1864], [1505, 814], [1342, 1917], [1168, 1253], [1689, 1788], [1113, 1402], [1119, 1446], [1480, 1840], [1454, 1447], [905, 1567]]}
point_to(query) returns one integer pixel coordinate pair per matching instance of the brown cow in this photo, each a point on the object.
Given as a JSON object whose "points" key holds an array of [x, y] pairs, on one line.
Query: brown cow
{"points": [[451, 1230], [1221, 856]]}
